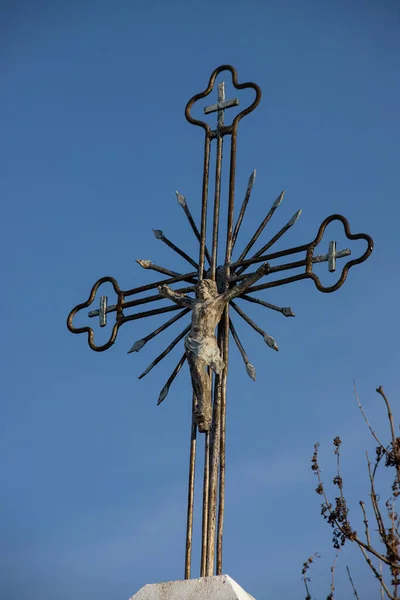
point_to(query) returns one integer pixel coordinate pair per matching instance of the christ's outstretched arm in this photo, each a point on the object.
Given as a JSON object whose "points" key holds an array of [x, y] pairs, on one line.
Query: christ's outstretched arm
{"points": [[246, 283], [176, 297]]}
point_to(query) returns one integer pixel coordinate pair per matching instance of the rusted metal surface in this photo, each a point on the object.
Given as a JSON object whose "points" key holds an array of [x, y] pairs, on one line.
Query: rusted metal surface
{"points": [[268, 339], [182, 202], [138, 345], [147, 264], [232, 279], [222, 448], [221, 106], [190, 504], [165, 352], [243, 208], [209, 135], [214, 463], [159, 235], [204, 520], [286, 311], [261, 227], [251, 372], [171, 378], [308, 262]]}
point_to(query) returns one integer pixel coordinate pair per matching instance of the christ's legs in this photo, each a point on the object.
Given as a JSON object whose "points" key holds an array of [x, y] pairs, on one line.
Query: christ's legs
{"points": [[201, 381]]}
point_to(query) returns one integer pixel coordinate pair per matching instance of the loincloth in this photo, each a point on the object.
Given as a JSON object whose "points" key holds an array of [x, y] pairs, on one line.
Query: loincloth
{"points": [[206, 349]]}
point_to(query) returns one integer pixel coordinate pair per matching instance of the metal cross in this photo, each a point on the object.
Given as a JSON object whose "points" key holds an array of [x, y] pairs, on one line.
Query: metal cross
{"points": [[229, 278], [221, 105]]}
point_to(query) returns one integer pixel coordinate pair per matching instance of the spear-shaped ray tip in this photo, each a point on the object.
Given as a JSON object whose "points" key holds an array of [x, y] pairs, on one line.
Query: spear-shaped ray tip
{"points": [[278, 200], [138, 345], [287, 311], [163, 394], [181, 199], [158, 234], [270, 342], [252, 178], [146, 264], [251, 371], [294, 218], [145, 372]]}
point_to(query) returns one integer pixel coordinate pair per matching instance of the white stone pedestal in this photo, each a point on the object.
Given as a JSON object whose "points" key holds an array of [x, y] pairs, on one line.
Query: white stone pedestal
{"points": [[219, 587]]}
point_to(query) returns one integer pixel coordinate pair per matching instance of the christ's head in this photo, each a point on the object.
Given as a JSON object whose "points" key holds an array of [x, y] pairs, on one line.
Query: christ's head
{"points": [[206, 289]]}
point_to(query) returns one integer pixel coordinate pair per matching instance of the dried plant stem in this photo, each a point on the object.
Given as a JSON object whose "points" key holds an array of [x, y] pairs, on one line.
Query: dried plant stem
{"points": [[333, 569], [366, 420], [375, 572], [352, 584], [390, 414], [395, 441], [308, 596], [387, 522], [353, 537], [375, 502], [381, 589], [365, 523], [306, 566]]}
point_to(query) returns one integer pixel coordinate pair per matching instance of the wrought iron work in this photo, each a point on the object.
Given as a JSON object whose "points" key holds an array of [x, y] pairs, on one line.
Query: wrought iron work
{"points": [[227, 276]]}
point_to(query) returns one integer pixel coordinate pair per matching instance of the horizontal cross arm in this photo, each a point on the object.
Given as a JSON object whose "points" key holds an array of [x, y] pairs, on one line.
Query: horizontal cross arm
{"points": [[138, 302], [221, 106], [294, 265]]}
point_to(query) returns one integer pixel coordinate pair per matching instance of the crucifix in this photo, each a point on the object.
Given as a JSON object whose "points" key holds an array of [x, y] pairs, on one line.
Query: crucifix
{"points": [[210, 292], [221, 105]]}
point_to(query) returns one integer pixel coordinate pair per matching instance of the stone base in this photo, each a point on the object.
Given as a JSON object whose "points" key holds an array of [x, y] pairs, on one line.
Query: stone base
{"points": [[219, 587]]}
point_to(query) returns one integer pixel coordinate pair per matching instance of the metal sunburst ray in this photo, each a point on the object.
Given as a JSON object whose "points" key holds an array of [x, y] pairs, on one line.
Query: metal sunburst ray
{"points": [[138, 345]]}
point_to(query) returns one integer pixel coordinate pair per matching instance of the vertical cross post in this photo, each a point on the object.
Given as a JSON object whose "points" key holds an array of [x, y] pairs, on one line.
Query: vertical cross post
{"points": [[220, 107], [103, 311], [332, 257], [214, 471], [212, 446]]}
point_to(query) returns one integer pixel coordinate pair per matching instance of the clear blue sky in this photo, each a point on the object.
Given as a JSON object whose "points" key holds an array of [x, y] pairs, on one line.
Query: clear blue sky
{"points": [[94, 144]]}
